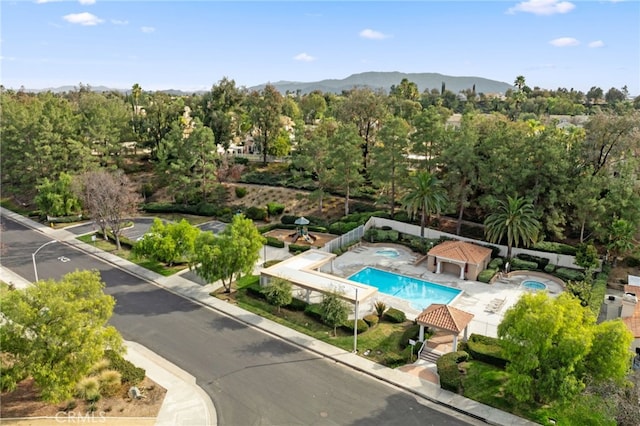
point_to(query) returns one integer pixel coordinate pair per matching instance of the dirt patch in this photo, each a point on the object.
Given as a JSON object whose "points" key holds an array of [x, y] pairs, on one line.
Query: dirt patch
{"points": [[24, 402]]}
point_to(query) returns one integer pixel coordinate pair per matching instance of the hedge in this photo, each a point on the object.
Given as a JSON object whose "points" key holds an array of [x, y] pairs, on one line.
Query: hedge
{"points": [[486, 275], [568, 274], [201, 209], [362, 326], [340, 228], [297, 305], [540, 261], [255, 290], [517, 264], [129, 373], [450, 377], [274, 242], [486, 349], [395, 315], [598, 291], [241, 191], [314, 311], [550, 268], [297, 248], [288, 219], [555, 248]]}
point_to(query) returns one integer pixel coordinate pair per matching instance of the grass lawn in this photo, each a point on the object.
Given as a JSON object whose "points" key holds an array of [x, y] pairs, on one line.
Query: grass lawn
{"points": [[177, 217], [383, 339], [126, 253]]}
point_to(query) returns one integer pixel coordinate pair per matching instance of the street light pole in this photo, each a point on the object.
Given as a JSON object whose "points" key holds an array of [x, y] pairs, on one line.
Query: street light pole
{"points": [[33, 257], [355, 325]]}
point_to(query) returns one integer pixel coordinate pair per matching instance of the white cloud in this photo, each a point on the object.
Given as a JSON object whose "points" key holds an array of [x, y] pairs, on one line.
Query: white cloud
{"points": [[84, 18], [304, 57], [147, 29], [119, 22], [372, 34], [542, 7], [596, 43], [87, 1], [564, 42], [46, 1]]}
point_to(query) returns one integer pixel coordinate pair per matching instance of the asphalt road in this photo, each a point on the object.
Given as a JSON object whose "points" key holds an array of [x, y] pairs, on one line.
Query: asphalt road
{"points": [[252, 378]]}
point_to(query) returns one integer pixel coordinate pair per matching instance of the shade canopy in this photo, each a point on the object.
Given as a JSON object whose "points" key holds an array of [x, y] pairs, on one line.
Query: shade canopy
{"points": [[302, 221]]}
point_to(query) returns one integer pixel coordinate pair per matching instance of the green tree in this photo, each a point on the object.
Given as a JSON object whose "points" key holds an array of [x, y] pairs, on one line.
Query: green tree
{"points": [[610, 356], [109, 198], [334, 311], [187, 155], [222, 109], [516, 218], [313, 107], [228, 255], [169, 243], [546, 341], [621, 240], [55, 331], [587, 256], [389, 156], [278, 292], [428, 138], [343, 162], [57, 198], [264, 110], [426, 196]]}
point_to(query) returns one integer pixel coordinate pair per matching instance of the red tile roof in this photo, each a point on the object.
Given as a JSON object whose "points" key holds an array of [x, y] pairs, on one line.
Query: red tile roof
{"points": [[462, 251], [444, 317], [633, 322]]}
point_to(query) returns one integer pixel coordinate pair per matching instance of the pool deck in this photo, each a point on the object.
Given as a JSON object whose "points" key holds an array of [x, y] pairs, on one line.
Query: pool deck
{"points": [[487, 302]]}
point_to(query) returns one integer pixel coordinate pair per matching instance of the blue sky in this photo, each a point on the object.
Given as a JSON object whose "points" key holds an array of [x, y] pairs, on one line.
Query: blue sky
{"points": [[192, 45]]}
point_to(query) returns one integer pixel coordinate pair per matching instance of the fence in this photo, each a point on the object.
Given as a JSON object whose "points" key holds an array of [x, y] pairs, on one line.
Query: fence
{"points": [[406, 228], [345, 239]]}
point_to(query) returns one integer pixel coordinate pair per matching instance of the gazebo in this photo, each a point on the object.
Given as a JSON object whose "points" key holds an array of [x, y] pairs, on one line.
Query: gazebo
{"points": [[461, 257], [446, 318]]}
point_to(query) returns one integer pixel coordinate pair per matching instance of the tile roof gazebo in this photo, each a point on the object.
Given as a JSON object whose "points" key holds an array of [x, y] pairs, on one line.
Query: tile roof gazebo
{"points": [[453, 256], [446, 318]]}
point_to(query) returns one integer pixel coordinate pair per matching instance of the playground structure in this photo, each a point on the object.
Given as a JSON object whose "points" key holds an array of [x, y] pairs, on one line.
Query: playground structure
{"points": [[302, 231]]}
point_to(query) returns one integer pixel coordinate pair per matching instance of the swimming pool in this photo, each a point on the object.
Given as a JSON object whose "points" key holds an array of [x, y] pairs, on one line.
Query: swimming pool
{"points": [[393, 253], [534, 285], [418, 293]]}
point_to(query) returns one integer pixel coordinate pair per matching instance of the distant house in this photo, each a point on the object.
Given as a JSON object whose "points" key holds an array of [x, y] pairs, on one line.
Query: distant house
{"points": [[626, 307], [458, 257]]}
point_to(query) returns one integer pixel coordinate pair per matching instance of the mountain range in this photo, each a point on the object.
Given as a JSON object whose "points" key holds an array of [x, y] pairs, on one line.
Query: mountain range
{"points": [[373, 80]]}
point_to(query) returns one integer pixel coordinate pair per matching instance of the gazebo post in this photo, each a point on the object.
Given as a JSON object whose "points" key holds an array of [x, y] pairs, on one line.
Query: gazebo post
{"points": [[455, 342], [421, 335], [462, 272], [466, 329]]}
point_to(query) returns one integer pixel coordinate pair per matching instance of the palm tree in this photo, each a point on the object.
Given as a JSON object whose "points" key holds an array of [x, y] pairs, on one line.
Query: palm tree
{"points": [[427, 196], [515, 217]]}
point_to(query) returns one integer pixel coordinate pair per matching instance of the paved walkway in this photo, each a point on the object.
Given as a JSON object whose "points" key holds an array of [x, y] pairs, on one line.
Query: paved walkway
{"points": [[189, 405]]}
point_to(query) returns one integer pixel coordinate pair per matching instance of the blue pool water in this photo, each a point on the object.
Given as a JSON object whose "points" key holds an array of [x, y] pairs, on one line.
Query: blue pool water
{"points": [[534, 285], [388, 253], [418, 292]]}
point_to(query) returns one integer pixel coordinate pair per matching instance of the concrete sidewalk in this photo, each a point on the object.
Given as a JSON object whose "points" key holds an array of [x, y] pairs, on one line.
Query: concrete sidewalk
{"points": [[201, 294]]}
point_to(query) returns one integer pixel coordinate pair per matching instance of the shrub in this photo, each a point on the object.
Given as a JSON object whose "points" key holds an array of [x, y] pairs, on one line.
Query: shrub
{"points": [[297, 248], [371, 319], [555, 248], [275, 209], [362, 326], [540, 261], [129, 372], [410, 333], [110, 382], [256, 213], [568, 274], [380, 308], [88, 389], [632, 262], [255, 290], [99, 366], [496, 263], [278, 292], [314, 311], [297, 305], [486, 349], [274, 242], [550, 268], [241, 191], [288, 219], [495, 251], [598, 291], [339, 228], [395, 315], [386, 228], [394, 359], [523, 264], [450, 377], [241, 160], [486, 275]]}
